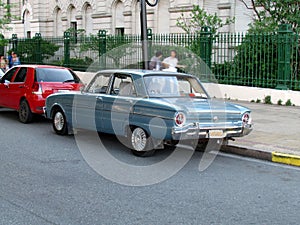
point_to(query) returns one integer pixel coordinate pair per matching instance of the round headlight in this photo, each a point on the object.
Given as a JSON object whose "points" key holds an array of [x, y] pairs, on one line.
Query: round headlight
{"points": [[180, 119]]}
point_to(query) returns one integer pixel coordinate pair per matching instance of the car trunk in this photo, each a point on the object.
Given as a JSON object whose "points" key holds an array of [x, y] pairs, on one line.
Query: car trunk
{"points": [[48, 88]]}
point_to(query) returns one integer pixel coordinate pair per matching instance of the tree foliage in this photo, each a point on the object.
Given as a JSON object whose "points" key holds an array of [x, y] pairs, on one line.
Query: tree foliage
{"points": [[199, 18], [271, 13], [5, 10], [27, 49]]}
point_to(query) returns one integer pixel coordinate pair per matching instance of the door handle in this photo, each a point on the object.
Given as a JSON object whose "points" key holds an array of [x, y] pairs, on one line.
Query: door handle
{"points": [[21, 86], [99, 98], [6, 85]]}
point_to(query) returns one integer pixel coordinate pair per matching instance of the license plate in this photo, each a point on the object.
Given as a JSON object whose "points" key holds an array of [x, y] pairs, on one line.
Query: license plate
{"points": [[216, 134]]}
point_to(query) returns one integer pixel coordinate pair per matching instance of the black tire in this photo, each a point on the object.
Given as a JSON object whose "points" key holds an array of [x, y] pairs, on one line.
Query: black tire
{"points": [[25, 114], [59, 122], [140, 143]]}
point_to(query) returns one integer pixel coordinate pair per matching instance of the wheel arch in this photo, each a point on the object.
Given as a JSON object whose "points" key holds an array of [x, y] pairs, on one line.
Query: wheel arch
{"points": [[56, 107]]}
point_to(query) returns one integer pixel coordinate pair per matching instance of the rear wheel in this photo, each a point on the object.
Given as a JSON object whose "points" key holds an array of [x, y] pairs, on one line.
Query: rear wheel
{"points": [[59, 122], [25, 114], [141, 145]]}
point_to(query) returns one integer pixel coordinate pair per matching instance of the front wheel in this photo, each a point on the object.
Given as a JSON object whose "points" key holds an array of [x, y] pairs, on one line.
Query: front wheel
{"points": [[59, 122], [141, 145], [25, 114]]}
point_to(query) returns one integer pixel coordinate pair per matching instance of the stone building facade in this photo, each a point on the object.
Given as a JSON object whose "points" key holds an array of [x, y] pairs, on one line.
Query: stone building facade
{"points": [[52, 17]]}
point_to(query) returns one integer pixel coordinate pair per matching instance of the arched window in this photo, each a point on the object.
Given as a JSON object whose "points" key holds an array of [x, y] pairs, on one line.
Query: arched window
{"points": [[136, 21], [87, 18], [119, 18], [163, 17], [71, 17], [26, 21], [58, 26]]}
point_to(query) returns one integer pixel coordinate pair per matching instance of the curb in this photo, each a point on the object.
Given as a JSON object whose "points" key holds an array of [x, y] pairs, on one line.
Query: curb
{"points": [[277, 157]]}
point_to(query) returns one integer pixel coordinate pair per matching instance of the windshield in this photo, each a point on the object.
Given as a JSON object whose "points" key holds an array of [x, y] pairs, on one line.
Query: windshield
{"points": [[55, 75], [173, 86]]}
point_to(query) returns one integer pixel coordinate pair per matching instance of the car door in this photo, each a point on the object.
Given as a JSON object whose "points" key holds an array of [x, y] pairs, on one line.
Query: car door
{"points": [[118, 104], [5, 87], [88, 107], [17, 88]]}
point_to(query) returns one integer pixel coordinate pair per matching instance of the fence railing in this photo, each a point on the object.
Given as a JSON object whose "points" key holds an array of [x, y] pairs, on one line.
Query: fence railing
{"points": [[268, 60]]}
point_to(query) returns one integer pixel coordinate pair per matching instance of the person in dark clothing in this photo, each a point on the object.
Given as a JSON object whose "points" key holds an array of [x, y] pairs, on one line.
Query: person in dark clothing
{"points": [[9, 58], [155, 62]]}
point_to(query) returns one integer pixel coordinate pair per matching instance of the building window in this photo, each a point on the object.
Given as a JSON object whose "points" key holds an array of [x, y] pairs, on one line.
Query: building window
{"points": [[119, 17], [120, 31], [26, 22], [28, 34], [73, 27], [58, 31], [87, 19]]}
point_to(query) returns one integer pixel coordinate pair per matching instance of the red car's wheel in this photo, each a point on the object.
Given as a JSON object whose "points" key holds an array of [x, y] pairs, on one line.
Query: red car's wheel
{"points": [[25, 114]]}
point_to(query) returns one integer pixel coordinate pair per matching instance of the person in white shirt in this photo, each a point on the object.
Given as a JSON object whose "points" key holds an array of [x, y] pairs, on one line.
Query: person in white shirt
{"points": [[171, 62]]}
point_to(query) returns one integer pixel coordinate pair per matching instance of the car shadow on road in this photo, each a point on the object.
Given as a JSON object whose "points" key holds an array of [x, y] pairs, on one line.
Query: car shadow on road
{"points": [[12, 115]]}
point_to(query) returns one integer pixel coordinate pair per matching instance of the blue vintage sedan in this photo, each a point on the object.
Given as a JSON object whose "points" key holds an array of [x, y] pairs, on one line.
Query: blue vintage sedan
{"points": [[148, 109]]}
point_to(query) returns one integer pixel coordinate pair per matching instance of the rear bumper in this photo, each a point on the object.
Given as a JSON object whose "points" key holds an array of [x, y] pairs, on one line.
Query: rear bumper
{"points": [[194, 131]]}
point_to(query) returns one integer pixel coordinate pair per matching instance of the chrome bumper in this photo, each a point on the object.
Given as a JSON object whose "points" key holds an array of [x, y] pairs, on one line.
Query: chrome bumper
{"points": [[194, 131], [45, 111]]}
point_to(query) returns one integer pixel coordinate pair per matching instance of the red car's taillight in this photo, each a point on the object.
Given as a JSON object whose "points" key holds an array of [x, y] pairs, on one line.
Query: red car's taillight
{"points": [[37, 89]]}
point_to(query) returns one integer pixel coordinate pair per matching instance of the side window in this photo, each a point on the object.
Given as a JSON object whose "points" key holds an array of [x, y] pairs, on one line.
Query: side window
{"points": [[21, 75], [99, 84], [9, 75], [123, 85]]}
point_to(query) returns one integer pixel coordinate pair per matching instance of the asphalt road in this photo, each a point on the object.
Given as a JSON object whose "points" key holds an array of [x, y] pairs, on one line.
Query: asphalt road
{"points": [[45, 180]]}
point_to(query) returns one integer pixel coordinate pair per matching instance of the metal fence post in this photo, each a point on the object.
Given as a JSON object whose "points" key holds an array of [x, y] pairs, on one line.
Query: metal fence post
{"points": [[66, 48], [2, 44], [14, 41], [102, 47], [284, 41], [38, 50], [149, 38], [206, 45]]}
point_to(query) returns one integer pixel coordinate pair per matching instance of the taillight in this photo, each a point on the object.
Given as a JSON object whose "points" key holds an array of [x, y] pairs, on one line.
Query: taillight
{"points": [[246, 118], [37, 89], [179, 119]]}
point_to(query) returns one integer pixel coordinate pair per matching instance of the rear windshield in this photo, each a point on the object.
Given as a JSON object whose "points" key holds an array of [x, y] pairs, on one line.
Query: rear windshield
{"points": [[55, 75]]}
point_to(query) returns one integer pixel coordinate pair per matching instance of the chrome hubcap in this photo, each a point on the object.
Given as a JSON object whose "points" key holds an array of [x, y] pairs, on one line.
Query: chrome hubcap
{"points": [[139, 139], [59, 121]]}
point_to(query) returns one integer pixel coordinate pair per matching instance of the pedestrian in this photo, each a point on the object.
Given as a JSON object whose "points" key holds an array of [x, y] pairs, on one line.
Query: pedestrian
{"points": [[3, 63], [10, 59], [155, 62], [15, 60], [171, 62]]}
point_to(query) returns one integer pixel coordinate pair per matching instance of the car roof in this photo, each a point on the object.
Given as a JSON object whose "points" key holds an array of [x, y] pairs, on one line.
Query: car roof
{"points": [[42, 66], [142, 72]]}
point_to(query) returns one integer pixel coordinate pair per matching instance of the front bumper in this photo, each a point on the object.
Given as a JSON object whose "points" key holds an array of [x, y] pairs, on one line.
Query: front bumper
{"points": [[194, 131]]}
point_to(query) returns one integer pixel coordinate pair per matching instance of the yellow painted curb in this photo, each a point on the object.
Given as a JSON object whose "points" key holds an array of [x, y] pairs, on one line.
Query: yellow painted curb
{"points": [[289, 159]]}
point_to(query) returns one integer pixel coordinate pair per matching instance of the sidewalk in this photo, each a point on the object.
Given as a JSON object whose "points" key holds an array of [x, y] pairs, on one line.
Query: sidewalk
{"points": [[275, 137]]}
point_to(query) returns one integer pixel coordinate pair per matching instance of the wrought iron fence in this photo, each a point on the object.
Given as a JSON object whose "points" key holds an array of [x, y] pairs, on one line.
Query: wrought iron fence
{"points": [[259, 60]]}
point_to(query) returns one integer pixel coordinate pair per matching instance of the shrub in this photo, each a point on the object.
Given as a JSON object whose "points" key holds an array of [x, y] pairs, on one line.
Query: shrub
{"points": [[268, 100], [288, 102]]}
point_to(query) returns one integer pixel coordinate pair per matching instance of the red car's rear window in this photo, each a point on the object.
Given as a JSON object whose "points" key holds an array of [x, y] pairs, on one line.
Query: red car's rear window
{"points": [[55, 75]]}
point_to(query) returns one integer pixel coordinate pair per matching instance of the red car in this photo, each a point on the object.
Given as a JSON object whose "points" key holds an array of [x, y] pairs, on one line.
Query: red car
{"points": [[26, 87]]}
